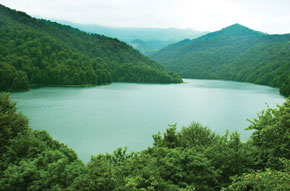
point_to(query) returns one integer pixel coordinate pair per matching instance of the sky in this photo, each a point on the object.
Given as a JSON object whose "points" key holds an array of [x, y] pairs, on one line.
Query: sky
{"points": [[269, 16]]}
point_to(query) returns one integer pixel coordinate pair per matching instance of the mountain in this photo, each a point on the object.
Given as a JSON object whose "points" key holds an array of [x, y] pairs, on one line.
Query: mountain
{"points": [[233, 53], [146, 40], [150, 46], [34, 51], [145, 34]]}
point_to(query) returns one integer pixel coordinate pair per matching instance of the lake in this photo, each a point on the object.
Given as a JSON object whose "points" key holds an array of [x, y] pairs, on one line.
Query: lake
{"points": [[94, 120]]}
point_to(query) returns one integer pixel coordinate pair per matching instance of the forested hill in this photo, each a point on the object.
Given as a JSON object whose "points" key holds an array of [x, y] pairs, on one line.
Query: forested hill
{"points": [[233, 53], [34, 51]]}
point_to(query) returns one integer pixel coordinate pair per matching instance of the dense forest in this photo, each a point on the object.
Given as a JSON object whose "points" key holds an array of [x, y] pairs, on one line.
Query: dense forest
{"points": [[193, 158], [34, 51], [233, 53]]}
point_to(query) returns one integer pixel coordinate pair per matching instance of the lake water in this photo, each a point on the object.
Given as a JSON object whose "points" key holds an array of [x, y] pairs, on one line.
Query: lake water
{"points": [[94, 120]]}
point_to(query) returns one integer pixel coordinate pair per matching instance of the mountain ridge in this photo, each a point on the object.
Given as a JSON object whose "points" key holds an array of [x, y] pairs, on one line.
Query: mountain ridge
{"points": [[131, 33], [233, 53], [150, 39]]}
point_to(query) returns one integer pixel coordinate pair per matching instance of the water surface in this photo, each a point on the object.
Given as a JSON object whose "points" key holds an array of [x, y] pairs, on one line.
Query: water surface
{"points": [[94, 120]]}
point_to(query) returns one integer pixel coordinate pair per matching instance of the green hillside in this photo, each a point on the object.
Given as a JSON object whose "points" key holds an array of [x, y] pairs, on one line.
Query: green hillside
{"points": [[34, 51], [233, 53]]}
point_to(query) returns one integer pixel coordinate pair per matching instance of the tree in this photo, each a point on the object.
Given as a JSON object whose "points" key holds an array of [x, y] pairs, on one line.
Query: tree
{"points": [[271, 137], [268, 180], [32, 160]]}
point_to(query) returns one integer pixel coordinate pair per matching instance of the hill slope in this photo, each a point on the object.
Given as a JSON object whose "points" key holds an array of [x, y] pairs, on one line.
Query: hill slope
{"points": [[233, 53], [34, 51]]}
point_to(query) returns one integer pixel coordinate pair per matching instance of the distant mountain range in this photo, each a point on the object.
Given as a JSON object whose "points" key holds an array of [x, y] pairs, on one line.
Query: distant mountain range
{"points": [[34, 51], [146, 40], [233, 53]]}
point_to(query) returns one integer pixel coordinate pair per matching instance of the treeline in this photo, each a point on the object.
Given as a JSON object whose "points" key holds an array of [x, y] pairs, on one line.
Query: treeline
{"points": [[34, 51], [194, 158], [234, 53]]}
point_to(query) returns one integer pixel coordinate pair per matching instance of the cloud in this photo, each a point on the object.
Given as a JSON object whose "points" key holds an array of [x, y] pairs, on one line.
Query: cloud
{"points": [[270, 16]]}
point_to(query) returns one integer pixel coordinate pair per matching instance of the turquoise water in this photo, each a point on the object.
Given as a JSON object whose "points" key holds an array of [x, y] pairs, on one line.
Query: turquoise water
{"points": [[94, 120]]}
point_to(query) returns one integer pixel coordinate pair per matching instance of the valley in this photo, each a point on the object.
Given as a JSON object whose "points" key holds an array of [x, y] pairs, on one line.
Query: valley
{"points": [[153, 105]]}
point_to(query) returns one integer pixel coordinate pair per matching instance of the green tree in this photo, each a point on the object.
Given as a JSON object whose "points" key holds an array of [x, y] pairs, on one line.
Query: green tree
{"points": [[271, 137], [268, 180]]}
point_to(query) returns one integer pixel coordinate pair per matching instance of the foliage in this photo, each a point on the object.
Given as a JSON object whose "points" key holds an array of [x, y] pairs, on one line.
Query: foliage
{"points": [[272, 135], [227, 155], [234, 53], [12, 124], [268, 180], [34, 51], [285, 88], [10, 78], [32, 160]]}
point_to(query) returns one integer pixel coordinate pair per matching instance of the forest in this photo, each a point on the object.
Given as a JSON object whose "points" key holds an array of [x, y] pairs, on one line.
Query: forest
{"points": [[193, 158], [40, 52], [233, 53]]}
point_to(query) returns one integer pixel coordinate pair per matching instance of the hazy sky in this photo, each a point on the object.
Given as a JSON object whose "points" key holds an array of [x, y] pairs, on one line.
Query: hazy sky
{"points": [[271, 16]]}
